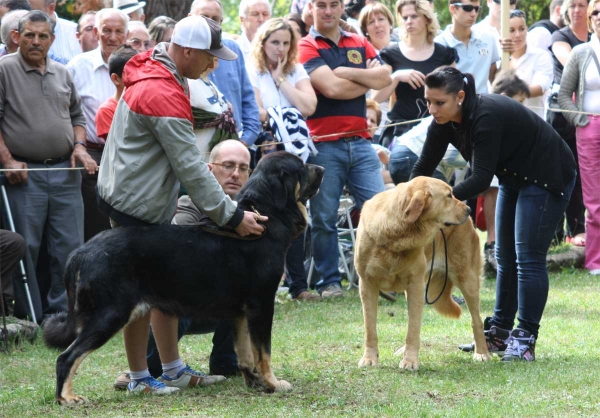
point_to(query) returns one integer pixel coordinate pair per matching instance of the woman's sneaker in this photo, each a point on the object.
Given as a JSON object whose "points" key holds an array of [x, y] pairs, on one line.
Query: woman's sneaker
{"points": [[495, 338], [521, 346], [150, 386], [188, 377]]}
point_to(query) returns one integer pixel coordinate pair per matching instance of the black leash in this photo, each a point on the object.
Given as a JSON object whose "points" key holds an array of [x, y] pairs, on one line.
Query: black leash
{"points": [[431, 271]]}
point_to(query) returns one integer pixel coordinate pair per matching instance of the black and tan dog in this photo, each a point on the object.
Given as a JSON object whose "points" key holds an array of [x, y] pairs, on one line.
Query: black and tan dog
{"points": [[185, 271], [394, 251]]}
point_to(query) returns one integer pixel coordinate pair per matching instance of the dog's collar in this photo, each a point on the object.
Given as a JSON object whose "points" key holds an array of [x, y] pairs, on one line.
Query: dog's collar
{"points": [[207, 225]]}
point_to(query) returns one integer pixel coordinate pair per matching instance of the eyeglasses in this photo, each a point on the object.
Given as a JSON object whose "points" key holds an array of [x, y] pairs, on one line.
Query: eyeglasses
{"points": [[137, 43], [517, 13], [595, 13], [467, 7], [512, 2], [230, 167]]}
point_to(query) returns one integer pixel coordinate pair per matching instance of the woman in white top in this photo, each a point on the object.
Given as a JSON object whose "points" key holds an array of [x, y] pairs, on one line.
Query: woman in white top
{"points": [[213, 115], [532, 65], [279, 80], [581, 77], [277, 77]]}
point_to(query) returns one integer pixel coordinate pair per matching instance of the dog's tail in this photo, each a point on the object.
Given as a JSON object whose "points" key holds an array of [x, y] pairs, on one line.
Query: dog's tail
{"points": [[445, 305], [60, 330]]}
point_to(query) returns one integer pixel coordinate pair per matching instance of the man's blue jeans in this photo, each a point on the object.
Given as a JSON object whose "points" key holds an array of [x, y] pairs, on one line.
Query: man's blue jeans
{"points": [[526, 219], [350, 162]]}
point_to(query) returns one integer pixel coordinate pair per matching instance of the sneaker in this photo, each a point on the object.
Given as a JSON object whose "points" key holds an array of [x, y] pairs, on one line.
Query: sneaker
{"points": [[187, 377], [122, 381], [332, 291], [521, 346], [306, 296], [495, 338], [150, 386], [490, 265]]}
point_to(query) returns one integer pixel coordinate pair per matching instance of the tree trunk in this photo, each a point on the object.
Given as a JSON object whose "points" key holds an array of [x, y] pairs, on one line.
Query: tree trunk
{"points": [[176, 9]]}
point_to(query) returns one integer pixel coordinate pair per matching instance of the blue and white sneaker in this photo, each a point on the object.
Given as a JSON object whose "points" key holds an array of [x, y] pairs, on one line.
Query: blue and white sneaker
{"points": [[150, 385], [188, 377]]}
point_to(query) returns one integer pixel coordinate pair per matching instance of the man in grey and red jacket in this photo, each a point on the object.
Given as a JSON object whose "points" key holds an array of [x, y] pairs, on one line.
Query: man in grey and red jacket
{"points": [[151, 147]]}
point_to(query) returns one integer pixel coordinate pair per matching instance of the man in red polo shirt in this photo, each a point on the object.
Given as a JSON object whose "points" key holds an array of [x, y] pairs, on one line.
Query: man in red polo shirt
{"points": [[342, 68]]}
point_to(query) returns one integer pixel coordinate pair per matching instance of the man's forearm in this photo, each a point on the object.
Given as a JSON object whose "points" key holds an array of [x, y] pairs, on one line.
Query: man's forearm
{"points": [[371, 78], [5, 155]]}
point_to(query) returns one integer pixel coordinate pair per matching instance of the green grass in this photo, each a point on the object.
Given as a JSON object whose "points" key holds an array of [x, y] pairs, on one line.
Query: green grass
{"points": [[316, 347]]}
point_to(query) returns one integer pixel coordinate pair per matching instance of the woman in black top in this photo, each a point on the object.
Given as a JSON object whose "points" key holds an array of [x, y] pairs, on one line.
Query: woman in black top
{"points": [[410, 60], [536, 169]]}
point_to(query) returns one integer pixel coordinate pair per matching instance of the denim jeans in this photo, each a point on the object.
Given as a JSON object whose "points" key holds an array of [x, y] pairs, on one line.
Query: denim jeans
{"points": [[526, 218], [350, 162], [402, 162]]}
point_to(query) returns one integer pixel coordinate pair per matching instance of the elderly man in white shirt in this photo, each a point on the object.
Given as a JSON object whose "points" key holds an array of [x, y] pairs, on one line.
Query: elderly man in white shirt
{"points": [[65, 45], [92, 81], [252, 14]]}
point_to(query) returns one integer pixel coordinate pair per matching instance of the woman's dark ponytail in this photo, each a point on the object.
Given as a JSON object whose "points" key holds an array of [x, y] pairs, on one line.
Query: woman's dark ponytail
{"points": [[451, 81]]}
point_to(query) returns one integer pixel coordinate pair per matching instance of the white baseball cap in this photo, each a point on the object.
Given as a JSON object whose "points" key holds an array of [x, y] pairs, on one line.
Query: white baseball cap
{"points": [[198, 32], [128, 6]]}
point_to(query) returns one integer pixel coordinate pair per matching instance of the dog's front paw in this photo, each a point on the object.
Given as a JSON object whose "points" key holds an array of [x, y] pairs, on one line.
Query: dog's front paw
{"points": [[283, 386], [368, 362], [409, 364], [72, 400], [482, 357]]}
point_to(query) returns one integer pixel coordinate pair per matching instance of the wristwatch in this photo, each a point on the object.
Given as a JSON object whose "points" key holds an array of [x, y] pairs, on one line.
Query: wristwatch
{"points": [[281, 80]]}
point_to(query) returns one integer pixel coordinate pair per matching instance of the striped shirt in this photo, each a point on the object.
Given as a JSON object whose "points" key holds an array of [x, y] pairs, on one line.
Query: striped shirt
{"points": [[93, 83], [333, 115], [65, 45]]}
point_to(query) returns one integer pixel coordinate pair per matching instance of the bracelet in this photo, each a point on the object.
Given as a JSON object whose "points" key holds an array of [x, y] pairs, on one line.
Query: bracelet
{"points": [[281, 80], [80, 143]]}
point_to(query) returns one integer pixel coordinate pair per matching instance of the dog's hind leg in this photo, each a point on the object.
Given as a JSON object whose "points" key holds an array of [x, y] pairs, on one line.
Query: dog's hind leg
{"points": [[260, 324], [369, 295], [469, 287], [94, 334]]}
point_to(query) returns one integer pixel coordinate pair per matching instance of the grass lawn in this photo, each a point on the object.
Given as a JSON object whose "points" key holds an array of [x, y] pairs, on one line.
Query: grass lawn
{"points": [[316, 347]]}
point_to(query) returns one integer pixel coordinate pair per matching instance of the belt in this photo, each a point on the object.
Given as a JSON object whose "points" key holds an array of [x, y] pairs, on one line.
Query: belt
{"points": [[94, 146], [47, 161], [352, 138]]}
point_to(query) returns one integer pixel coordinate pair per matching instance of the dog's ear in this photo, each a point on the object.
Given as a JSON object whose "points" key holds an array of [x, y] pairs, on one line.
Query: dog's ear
{"points": [[416, 205], [284, 187]]}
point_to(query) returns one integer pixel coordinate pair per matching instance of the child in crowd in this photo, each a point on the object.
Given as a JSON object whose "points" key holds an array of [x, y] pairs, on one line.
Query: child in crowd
{"points": [[106, 111], [373, 120]]}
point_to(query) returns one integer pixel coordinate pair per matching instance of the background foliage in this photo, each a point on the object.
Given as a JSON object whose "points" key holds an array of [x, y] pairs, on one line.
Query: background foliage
{"points": [[177, 9]]}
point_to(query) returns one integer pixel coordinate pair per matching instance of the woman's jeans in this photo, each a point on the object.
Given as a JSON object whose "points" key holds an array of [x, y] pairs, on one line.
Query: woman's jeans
{"points": [[588, 146], [402, 162], [526, 219]]}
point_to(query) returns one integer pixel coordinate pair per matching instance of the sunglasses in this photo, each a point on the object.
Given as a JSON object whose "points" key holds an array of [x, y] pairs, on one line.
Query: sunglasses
{"points": [[512, 2], [467, 7], [595, 13]]}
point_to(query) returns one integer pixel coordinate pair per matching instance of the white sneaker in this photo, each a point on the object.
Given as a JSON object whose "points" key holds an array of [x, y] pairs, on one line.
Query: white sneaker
{"points": [[188, 377], [150, 385]]}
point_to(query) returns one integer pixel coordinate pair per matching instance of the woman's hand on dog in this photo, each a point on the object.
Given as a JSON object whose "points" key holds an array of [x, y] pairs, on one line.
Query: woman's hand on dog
{"points": [[250, 224]]}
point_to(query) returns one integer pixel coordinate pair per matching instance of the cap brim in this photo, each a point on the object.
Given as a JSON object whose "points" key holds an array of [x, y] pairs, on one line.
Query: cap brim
{"points": [[223, 53], [132, 8]]}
